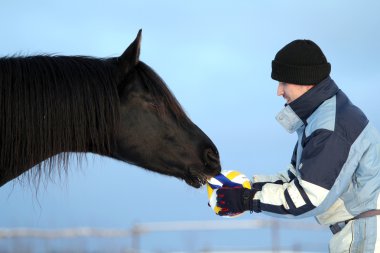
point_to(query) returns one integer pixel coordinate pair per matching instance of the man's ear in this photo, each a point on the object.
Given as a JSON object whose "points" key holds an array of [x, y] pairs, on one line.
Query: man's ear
{"points": [[131, 55]]}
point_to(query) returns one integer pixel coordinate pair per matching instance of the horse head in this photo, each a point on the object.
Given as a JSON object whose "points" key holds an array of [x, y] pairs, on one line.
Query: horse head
{"points": [[154, 131]]}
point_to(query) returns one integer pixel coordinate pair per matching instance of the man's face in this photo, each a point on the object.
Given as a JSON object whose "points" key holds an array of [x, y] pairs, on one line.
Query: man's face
{"points": [[291, 92]]}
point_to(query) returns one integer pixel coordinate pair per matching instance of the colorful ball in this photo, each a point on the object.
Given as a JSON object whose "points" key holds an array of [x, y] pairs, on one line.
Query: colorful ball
{"points": [[227, 178]]}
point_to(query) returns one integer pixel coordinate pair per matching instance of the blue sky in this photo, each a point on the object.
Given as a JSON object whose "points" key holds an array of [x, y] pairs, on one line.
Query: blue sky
{"points": [[216, 57]]}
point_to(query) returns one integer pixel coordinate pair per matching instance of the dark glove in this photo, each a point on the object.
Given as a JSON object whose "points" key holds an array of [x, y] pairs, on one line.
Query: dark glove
{"points": [[235, 200]]}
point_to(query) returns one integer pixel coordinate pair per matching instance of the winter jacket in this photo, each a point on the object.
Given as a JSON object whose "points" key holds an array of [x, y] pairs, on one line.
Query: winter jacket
{"points": [[335, 169]]}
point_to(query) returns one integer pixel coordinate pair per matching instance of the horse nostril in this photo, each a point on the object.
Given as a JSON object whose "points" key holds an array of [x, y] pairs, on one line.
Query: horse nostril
{"points": [[211, 158]]}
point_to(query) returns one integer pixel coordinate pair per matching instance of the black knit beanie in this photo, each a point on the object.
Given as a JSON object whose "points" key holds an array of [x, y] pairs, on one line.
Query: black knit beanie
{"points": [[300, 62]]}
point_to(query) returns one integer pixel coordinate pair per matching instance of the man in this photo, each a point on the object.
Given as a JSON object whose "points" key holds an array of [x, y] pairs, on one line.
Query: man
{"points": [[334, 172]]}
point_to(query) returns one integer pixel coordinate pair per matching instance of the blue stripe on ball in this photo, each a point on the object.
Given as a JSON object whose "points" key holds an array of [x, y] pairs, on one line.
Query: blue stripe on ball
{"points": [[225, 181]]}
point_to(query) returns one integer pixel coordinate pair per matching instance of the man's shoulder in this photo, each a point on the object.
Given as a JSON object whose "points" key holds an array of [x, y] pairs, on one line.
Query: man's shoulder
{"points": [[338, 114]]}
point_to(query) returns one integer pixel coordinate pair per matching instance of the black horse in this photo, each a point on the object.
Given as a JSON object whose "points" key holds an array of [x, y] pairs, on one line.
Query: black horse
{"points": [[53, 107]]}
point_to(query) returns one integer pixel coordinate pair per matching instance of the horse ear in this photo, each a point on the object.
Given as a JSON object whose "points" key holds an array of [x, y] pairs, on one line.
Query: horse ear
{"points": [[131, 55]]}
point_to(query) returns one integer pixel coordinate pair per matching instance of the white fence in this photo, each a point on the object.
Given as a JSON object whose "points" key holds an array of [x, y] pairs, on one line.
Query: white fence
{"points": [[136, 232]]}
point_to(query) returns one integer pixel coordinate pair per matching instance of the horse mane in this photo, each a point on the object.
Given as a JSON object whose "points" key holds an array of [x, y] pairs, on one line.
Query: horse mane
{"points": [[55, 104]]}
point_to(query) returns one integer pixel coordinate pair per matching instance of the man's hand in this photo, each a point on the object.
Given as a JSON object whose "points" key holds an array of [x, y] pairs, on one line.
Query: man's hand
{"points": [[235, 200]]}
